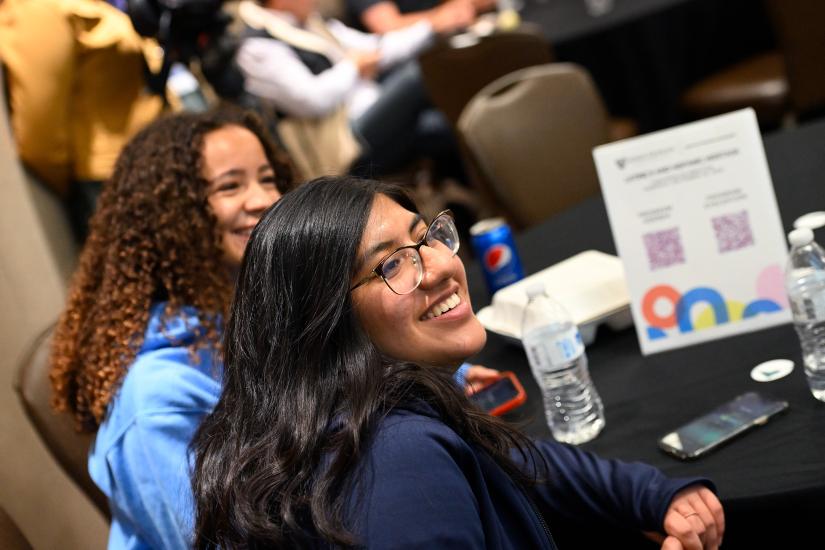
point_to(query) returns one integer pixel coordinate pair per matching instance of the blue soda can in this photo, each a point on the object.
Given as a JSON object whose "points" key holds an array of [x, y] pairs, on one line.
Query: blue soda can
{"points": [[495, 249]]}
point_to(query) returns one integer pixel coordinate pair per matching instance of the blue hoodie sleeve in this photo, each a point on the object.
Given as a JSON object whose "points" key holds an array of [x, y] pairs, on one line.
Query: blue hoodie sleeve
{"points": [[582, 485], [141, 458], [460, 376], [151, 466]]}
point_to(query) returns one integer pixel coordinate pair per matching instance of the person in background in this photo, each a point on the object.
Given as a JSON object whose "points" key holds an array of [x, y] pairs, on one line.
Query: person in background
{"points": [[308, 68], [135, 352], [77, 92], [340, 424], [382, 16]]}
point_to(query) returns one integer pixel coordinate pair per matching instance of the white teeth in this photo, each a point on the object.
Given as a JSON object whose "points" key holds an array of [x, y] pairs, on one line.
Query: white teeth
{"points": [[445, 306]]}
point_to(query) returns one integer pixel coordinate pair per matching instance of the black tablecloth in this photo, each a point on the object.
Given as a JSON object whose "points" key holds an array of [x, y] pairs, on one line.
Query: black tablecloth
{"points": [[644, 53], [771, 480]]}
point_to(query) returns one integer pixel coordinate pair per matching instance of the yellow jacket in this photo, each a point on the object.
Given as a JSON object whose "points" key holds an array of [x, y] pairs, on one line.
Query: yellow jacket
{"points": [[76, 85]]}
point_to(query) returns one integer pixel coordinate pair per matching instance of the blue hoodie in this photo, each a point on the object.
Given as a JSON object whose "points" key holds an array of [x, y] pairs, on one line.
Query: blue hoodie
{"points": [[140, 457]]}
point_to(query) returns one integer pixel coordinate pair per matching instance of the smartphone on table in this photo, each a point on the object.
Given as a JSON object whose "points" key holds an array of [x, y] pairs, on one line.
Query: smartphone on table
{"points": [[501, 395], [722, 424]]}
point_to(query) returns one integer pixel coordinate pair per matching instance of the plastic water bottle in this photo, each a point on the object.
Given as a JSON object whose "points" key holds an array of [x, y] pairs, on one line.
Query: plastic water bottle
{"points": [[805, 284], [508, 17], [556, 354]]}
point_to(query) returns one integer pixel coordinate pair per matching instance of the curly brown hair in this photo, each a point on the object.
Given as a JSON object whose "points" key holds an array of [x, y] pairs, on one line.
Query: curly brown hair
{"points": [[152, 238]]}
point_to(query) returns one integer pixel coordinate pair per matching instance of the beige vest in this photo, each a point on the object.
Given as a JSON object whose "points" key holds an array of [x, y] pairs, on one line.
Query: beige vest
{"points": [[318, 146]]}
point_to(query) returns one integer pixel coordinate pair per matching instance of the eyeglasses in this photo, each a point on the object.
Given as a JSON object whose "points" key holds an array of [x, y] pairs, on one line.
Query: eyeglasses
{"points": [[402, 270]]}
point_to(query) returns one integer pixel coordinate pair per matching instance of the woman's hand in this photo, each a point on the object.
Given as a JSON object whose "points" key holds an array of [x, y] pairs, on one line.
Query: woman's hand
{"points": [[694, 520], [453, 15], [366, 61], [478, 376]]}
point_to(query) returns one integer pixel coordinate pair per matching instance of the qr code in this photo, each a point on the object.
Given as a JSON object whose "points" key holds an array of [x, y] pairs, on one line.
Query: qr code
{"points": [[733, 231], [664, 248]]}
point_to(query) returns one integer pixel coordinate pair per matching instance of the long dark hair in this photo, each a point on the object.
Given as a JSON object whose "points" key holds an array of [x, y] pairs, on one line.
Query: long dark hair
{"points": [[303, 384]]}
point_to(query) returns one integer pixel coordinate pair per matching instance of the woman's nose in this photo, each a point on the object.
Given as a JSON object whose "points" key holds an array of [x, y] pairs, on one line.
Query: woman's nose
{"points": [[259, 198], [438, 265]]}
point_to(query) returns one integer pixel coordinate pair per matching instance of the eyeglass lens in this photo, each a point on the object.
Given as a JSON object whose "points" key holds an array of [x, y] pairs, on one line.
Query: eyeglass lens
{"points": [[403, 270]]}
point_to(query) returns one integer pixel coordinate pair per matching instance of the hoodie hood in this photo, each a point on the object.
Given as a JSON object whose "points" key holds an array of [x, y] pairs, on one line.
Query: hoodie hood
{"points": [[181, 328]]}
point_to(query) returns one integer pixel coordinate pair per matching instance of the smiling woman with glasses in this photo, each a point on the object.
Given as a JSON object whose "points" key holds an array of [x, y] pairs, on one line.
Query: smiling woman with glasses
{"points": [[402, 269], [340, 424]]}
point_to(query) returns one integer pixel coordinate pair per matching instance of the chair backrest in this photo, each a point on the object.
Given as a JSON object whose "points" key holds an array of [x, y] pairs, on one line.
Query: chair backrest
{"points": [[453, 75], [531, 134], [37, 253], [11, 538], [800, 26], [69, 447]]}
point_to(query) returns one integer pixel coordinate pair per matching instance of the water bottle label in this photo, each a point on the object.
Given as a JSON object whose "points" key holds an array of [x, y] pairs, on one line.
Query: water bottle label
{"points": [[548, 350], [818, 300], [810, 308]]}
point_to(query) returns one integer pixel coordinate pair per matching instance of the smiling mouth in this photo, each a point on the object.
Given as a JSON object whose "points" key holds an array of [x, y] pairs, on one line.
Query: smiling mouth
{"points": [[245, 232], [443, 307]]}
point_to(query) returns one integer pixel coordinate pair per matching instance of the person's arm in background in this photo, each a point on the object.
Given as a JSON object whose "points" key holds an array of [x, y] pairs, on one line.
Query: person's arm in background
{"points": [[483, 6], [274, 72], [392, 48], [384, 16]]}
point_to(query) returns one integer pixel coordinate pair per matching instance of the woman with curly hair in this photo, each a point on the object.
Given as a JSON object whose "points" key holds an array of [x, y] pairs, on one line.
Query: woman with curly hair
{"points": [[135, 352], [339, 424]]}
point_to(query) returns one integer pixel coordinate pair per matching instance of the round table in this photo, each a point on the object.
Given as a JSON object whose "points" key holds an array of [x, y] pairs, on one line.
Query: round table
{"points": [[771, 480]]}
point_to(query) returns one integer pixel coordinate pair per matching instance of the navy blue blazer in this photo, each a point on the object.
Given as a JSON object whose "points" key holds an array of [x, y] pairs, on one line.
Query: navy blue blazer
{"points": [[423, 486]]}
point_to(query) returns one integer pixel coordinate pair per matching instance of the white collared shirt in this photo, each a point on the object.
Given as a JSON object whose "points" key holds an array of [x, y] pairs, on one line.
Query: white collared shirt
{"points": [[275, 72]]}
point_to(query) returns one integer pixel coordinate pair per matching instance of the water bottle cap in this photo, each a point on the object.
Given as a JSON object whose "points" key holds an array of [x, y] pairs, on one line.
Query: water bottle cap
{"points": [[811, 220], [801, 236], [535, 289]]}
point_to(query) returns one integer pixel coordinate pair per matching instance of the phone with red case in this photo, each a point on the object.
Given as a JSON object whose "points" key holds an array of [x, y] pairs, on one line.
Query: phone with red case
{"points": [[501, 395]]}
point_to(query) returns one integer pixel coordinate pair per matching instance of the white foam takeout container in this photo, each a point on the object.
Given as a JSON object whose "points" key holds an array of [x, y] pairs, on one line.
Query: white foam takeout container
{"points": [[590, 285]]}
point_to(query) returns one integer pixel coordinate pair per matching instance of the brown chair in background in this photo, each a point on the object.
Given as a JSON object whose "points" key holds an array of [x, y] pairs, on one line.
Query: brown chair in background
{"points": [[455, 69], [69, 447], [530, 135], [789, 81], [758, 82], [11, 538], [37, 255], [800, 29]]}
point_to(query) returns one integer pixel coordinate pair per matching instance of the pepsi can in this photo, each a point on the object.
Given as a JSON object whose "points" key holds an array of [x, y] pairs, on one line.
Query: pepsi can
{"points": [[495, 249]]}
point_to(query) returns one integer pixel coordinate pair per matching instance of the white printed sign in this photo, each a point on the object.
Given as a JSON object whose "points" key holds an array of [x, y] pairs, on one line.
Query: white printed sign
{"points": [[695, 221]]}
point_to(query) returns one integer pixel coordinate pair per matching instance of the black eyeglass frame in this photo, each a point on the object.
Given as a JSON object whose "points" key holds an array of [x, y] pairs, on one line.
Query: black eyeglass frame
{"points": [[378, 271]]}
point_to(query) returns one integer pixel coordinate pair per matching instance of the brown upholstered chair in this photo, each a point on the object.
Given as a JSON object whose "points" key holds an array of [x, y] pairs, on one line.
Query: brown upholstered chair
{"points": [[69, 447], [454, 71], [11, 538], [799, 27], [531, 133], [790, 80], [757, 82]]}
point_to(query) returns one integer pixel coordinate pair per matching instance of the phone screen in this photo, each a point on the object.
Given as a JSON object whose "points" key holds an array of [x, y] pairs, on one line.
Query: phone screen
{"points": [[721, 424], [499, 392]]}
